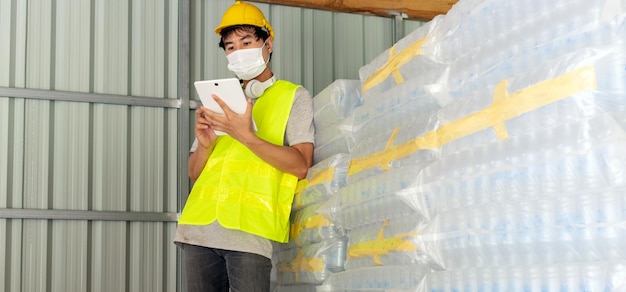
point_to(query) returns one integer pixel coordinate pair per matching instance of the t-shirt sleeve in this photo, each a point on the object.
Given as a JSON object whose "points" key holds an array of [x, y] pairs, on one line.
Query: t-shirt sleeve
{"points": [[194, 146], [300, 127]]}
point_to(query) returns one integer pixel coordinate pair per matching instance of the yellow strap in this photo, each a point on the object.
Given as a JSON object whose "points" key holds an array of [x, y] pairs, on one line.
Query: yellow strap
{"points": [[501, 93], [395, 72], [381, 245], [323, 176], [505, 106], [315, 221], [302, 263], [393, 64], [297, 200], [301, 185], [386, 165]]}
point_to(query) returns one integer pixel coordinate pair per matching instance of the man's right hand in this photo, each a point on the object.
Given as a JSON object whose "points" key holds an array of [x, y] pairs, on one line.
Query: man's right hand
{"points": [[204, 131]]}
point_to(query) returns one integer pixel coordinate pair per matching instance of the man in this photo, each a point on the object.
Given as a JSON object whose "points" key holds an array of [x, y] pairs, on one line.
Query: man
{"points": [[245, 180]]}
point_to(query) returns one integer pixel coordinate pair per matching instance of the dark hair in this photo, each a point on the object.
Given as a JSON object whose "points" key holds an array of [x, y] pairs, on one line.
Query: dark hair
{"points": [[259, 32]]}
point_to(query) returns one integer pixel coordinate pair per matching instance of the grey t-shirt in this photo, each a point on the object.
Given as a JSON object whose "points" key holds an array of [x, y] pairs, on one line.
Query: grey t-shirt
{"points": [[300, 129]]}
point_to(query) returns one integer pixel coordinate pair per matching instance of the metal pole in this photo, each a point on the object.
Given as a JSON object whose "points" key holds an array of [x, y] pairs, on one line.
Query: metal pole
{"points": [[183, 121]]}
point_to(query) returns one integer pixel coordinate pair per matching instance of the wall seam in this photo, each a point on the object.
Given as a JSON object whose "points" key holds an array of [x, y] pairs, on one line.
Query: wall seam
{"points": [[7, 256], [92, 44], [53, 43], [129, 58], [166, 138], [13, 40]]}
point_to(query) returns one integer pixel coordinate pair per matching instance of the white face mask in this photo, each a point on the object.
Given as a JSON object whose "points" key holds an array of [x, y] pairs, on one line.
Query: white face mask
{"points": [[247, 63]]}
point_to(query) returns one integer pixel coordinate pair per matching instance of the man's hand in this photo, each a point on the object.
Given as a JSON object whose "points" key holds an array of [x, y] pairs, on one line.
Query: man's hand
{"points": [[238, 126], [203, 129]]}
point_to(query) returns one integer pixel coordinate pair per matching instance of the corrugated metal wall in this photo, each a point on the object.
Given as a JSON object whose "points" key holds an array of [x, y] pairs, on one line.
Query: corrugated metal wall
{"points": [[95, 123], [88, 189]]}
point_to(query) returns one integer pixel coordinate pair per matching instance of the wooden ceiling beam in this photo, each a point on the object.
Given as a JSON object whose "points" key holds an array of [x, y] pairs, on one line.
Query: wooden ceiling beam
{"points": [[421, 10]]}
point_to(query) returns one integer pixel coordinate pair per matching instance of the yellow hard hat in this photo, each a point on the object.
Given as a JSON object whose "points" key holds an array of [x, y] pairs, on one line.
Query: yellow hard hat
{"points": [[244, 13]]}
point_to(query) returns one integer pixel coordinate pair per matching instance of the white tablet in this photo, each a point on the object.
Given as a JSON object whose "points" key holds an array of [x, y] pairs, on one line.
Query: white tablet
{"points": [[229, 90]]}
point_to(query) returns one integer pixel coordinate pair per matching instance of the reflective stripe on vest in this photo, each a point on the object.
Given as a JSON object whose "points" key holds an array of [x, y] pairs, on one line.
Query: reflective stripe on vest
{"points": [[239, 189]]}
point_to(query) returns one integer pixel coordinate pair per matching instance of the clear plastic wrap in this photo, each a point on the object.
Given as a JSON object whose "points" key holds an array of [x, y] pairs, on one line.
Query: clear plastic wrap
{"points": [[551, 81], [338, 143], [473, 25], [392, 148], [296, 288], [333, 106], [376, 279], [373, 210], [484, 48], [382, 184], [374, 199], [326, 135], [592, 277], [578, 156], [323, 180], [474, 120], [502, 137], [336, 102], [399, 104], [311, 263], [582, 227], [309, 226], [388, 243], [404, 59]]}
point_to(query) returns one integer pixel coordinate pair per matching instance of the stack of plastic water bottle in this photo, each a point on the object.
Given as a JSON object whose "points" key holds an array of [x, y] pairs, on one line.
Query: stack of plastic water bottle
{"points": [[317, 248], [324, 179], [332, 106], [489, 154]]}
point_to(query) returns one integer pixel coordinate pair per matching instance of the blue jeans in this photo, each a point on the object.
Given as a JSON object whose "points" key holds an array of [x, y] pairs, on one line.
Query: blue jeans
{"points": [[211, 269]]}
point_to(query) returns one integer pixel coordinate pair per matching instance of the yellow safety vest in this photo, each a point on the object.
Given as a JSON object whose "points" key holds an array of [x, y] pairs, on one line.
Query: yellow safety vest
{"points": [[240, 190]]}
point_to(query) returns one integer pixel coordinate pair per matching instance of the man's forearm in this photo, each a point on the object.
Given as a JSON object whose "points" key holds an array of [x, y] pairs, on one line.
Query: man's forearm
{"points": [[197, 160]]}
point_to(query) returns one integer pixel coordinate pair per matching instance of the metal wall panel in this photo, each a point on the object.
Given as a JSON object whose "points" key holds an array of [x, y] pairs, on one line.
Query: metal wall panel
{"points": [[111, 46], [5, 44], [39, 19], [71, 34], [376, 37], [289, 52], [62, 157], [88, 187], [4, 150], [13, 46], [349, 57], [321, 34]]}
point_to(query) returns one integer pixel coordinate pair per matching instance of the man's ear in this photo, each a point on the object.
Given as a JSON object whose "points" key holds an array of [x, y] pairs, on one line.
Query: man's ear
{"points": [[270, 44]]}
